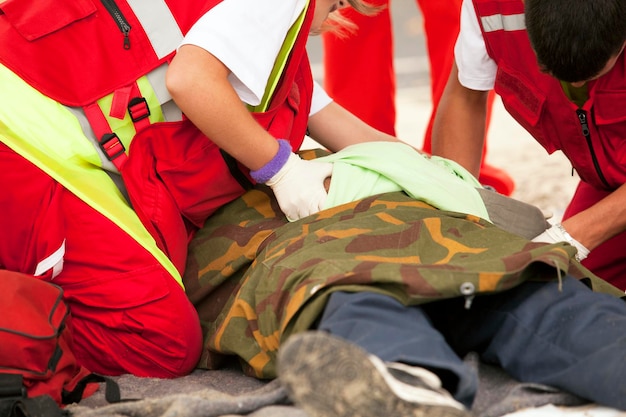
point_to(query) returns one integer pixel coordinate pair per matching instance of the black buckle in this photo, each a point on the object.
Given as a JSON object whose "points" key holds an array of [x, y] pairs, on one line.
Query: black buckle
{"points": [[138, 109], [111, 145], [12, 386]]}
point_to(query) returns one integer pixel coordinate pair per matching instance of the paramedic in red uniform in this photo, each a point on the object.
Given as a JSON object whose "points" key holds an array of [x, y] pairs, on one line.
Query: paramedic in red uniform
{"points": [[81, 136], [565, 84]]}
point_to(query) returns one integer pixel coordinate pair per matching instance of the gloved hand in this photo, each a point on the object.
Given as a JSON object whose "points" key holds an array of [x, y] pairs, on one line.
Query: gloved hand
{"points": [[557, 233], [299, 186]]}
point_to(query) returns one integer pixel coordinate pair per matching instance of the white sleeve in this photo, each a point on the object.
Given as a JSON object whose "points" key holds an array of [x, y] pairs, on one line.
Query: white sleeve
{"points": [[246, 35], [477, 70], [320, 99]]}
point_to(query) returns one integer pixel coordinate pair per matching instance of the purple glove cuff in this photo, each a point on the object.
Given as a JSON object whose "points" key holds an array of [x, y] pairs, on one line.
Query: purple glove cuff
{"points": [[267, 171]]}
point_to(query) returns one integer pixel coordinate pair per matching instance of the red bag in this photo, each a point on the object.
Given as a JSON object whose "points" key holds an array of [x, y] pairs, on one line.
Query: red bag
{"points": [[36, 357]]}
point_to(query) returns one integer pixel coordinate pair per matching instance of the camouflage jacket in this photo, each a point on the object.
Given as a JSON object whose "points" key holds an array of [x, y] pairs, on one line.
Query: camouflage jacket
{"points": [[255, 278]]}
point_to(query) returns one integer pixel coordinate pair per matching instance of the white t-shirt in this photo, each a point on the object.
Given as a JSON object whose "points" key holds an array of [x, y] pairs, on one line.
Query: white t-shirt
{"points": [[477, 70], [247, 35]]}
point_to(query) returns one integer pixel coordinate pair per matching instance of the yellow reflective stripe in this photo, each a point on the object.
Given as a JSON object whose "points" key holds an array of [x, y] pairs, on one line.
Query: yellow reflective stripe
{"points": [[165, 107], [281, 61], [147, 92], [47, 134], [507, 23], [124, 128]]}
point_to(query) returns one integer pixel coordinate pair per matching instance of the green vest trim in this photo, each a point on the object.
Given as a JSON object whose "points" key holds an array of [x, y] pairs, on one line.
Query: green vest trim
{"points": [[281, 62], [47, 134]]}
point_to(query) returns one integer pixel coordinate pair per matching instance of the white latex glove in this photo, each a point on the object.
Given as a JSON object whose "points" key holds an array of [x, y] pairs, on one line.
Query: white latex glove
{"points": [[557, 233], [299, 186]]}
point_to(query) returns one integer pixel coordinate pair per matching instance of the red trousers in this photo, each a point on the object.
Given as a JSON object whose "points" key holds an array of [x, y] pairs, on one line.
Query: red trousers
{"points": [[129, 314], [607, 260], [359, 72]]}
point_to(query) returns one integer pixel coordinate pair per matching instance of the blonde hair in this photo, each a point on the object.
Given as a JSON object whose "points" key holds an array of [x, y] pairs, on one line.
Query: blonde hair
{"points": [[341, 25]]}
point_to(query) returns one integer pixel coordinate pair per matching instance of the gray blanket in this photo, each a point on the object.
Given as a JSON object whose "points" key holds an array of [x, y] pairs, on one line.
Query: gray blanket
{"points": [[228, 393]]}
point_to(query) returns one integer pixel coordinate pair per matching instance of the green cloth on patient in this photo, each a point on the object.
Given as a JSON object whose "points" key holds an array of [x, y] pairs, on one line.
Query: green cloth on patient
{"points": [[371, 168]]}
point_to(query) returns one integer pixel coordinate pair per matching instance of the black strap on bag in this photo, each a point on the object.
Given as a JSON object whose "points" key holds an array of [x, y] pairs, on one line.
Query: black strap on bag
{"points": [[111, 392], [41, 406], [14, 401]]}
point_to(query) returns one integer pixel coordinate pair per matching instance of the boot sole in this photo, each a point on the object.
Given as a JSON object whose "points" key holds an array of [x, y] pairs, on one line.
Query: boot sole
{"points": [[328, 377]]}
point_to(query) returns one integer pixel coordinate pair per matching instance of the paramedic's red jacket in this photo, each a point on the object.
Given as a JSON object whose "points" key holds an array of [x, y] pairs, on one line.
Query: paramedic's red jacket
{"points": [[56, 56], [592, 137], [122, 305]]}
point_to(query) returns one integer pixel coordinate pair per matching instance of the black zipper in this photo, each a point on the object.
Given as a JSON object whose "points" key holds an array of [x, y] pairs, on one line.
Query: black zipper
{"points": [[120, 20], [582, 118]]}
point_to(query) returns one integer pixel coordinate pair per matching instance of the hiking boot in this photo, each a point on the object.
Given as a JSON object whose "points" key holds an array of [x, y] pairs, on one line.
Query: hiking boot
{"points": [[330, 377]]}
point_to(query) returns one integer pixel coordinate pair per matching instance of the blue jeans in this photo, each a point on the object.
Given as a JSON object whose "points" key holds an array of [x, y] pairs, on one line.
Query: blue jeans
{"points": [[570, 338]]}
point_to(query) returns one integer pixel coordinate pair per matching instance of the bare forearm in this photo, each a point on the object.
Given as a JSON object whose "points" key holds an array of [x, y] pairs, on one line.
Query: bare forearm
{"points": [[459, 128], [335, 128], [198, 83], [600, 222]]}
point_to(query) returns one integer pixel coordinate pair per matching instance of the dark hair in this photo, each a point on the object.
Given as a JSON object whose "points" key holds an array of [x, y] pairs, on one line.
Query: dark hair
{"points": [[574, 39]]}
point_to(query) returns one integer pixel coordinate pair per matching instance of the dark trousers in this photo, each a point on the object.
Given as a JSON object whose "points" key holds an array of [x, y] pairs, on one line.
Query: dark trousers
{"points": [[569, 337]]}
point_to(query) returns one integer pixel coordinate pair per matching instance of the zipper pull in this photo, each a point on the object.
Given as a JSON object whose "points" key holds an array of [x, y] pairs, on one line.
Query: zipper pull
{"points": [[126, 32], [582, 118], [119, 18]]}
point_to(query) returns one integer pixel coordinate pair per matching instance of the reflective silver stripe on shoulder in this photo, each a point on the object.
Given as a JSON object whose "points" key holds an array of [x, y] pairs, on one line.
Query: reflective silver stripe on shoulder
{"points": [[507, 23], [54, 262], [170, 110], [159, 24], [89, 134]]}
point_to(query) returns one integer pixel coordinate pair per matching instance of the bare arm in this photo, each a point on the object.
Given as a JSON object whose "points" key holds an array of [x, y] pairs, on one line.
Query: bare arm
{"points": [[459, 127], [600, 222], [335, 128], [198, 82]]}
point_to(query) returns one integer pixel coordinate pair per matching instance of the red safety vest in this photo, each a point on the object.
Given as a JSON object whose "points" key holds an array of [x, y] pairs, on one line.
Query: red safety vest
{"points": [[97, 56], [592, 137]]}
